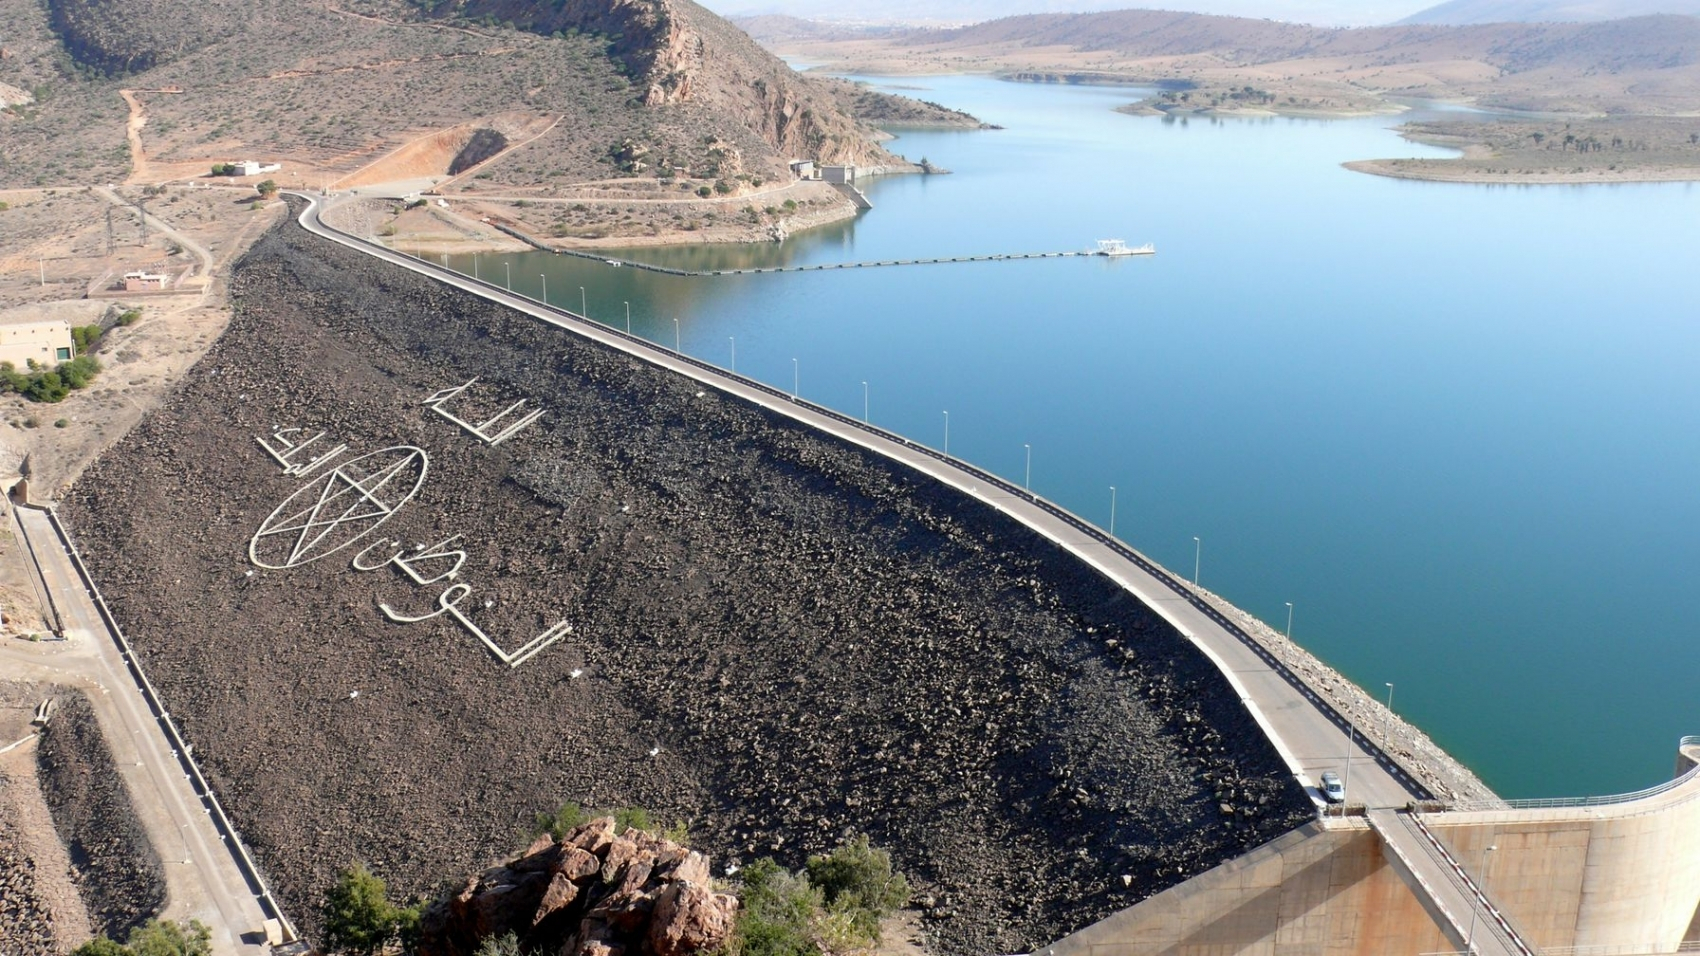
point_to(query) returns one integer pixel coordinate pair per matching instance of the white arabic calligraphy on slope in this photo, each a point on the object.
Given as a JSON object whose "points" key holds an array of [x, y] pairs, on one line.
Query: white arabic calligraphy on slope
{"points": [[483, 430], [338, 508], [449, 601]]}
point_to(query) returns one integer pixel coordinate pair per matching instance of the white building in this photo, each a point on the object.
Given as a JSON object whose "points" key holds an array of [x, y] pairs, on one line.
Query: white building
{"points": [[144, 281], [251, 167], [47, 341]]}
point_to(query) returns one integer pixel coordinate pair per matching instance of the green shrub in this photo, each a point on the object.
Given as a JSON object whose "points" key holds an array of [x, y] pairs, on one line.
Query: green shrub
{"points": [[61, 423], [704, 191], [359, 917], [571, 816], [156, 937], [857, 879], [85, 336], [505, 945], [836, 904], [130, 316], [776, 913]]}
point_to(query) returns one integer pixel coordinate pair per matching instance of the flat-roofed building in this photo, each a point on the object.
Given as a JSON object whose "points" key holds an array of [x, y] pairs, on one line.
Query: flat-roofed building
{"points": [[47, 341], [144, 281]]}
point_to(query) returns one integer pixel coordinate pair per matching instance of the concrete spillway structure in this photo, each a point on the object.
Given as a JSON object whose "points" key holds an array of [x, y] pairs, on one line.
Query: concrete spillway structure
{"points": [[1602, 877]]}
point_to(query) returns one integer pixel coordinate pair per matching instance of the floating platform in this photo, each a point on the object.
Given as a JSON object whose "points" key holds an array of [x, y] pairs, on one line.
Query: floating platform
{"points": [[884, 263]]}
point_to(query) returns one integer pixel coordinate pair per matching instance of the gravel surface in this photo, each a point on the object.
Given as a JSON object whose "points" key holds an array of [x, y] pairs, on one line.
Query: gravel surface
{"points": [[114, 866], [26, 921], [778, 638]]}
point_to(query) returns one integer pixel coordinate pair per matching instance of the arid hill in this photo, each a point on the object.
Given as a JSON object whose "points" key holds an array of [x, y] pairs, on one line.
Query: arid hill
{"points": [[556, 92], [1457, 12], [1642, 65]]}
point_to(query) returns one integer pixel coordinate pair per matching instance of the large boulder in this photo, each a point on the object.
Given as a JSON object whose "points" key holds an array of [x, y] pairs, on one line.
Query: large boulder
{"points": [[690, 918]]}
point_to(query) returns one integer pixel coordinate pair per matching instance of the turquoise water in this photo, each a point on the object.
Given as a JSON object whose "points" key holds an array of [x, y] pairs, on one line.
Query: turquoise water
{"points": [[1454, 425]]}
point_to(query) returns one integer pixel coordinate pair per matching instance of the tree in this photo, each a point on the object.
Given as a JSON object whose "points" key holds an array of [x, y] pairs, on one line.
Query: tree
{"points": [[268, 189], [359, 917]]}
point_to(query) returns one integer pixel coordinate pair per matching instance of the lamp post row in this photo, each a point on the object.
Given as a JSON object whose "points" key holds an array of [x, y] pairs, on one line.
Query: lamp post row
{"points": [[1027, 478]]}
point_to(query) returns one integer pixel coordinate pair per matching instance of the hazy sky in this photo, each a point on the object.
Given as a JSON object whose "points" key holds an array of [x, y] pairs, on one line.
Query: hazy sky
{"points": [[1325, 12]]}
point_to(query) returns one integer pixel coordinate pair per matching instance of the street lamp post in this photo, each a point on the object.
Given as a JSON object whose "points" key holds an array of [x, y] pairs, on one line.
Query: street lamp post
{"points": [[1289, 620], [1197, 553], [675, 335], [475, 266], [864, 403], [1387, 718], [1346, 784], [583, 303], [796, 376], [1476, 902], [628, 318], [947, 432], [508, 266], [1112, 511], [734, 340], [545, 279], [1027, 482]]}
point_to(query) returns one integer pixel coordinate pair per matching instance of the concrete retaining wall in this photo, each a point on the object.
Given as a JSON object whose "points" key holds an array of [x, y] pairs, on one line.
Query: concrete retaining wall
{"points": [[1621, 878]]}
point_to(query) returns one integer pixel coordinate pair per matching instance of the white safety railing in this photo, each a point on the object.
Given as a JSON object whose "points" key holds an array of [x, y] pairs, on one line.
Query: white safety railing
{"points": [[1548, 803]]}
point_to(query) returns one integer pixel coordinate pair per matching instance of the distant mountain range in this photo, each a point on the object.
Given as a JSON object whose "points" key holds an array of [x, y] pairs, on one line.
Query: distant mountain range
{"points": [[1463, 12], [1320, 12]]}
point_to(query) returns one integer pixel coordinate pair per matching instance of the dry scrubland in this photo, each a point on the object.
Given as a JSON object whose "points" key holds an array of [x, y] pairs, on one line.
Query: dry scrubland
{"points": [[63, 233], [504, 98], [1580, 151], [780, 639], [1632, 85]]}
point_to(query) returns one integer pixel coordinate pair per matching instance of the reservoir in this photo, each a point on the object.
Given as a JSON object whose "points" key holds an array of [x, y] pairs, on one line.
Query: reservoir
{"points": [[1454, 425]]}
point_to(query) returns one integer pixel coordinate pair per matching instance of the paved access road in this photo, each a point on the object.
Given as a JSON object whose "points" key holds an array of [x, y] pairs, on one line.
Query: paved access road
{"points": [[1310, 735], [202, 878]]}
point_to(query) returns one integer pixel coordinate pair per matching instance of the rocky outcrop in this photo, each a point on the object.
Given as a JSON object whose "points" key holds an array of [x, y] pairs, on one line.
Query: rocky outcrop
{"points": [[676, 53], [594, 892]]}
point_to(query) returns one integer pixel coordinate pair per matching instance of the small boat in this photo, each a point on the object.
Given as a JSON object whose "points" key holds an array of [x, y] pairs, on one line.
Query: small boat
{"points": [[1116, 247]]}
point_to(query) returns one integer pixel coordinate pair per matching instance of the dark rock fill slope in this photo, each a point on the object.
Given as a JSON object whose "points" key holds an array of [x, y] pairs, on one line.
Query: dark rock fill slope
{"points": [[777, 637], [117, 870]]}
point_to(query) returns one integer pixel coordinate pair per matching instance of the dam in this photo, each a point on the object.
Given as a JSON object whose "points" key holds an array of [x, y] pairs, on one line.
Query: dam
{"points": [[1380, 879], [1397, 872]]}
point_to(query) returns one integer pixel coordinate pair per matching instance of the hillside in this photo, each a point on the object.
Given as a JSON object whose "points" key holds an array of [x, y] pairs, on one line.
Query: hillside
{"points": [[1647, 65], [1462, 12], [562, 92]]}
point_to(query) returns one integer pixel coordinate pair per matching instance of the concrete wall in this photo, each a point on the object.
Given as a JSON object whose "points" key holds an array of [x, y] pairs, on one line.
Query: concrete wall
{"points": [[22, 341], [1623, 877], [1611, 877], [1313, 892]]}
